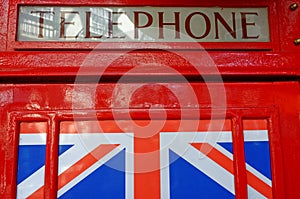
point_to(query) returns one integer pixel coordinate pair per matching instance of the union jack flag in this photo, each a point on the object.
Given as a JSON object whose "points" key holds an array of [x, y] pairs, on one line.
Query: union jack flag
{"points": [[95, 164]]}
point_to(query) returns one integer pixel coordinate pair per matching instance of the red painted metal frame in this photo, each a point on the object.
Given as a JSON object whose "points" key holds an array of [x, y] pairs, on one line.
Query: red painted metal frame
{"points": [[36, 86], [244, 101], [51, 161], [18, 45], [230, 64], [288, 26], [236, 115]]}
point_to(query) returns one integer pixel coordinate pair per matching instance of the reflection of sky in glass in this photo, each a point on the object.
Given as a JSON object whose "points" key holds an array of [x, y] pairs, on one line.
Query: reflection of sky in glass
{"points": [[29, 22]]}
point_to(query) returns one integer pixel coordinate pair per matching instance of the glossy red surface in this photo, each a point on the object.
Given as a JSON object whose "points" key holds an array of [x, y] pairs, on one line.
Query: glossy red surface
{"points": [[37, 84]]}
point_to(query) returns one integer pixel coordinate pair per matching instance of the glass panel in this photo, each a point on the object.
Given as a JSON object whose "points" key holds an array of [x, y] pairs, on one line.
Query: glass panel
{"points": [[257, 156], [31, 159], [92, 162], [145, 24]]}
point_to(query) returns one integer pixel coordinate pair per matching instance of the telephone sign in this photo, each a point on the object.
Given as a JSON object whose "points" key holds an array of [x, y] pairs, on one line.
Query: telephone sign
{"points": [[146, 24]]}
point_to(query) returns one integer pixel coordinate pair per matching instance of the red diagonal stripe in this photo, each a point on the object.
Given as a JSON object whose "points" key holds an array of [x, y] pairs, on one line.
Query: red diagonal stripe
{"points": [[79, 167], [215, 155], [259, 185], [227, 164]]}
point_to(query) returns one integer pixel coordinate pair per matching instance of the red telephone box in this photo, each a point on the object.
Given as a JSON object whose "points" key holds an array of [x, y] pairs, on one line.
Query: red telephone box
{"points": [[156, 99]]}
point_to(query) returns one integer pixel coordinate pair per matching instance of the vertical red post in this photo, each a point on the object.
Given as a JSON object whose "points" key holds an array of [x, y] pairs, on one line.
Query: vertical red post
{"points": [[239, 159], [51, 165]]}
